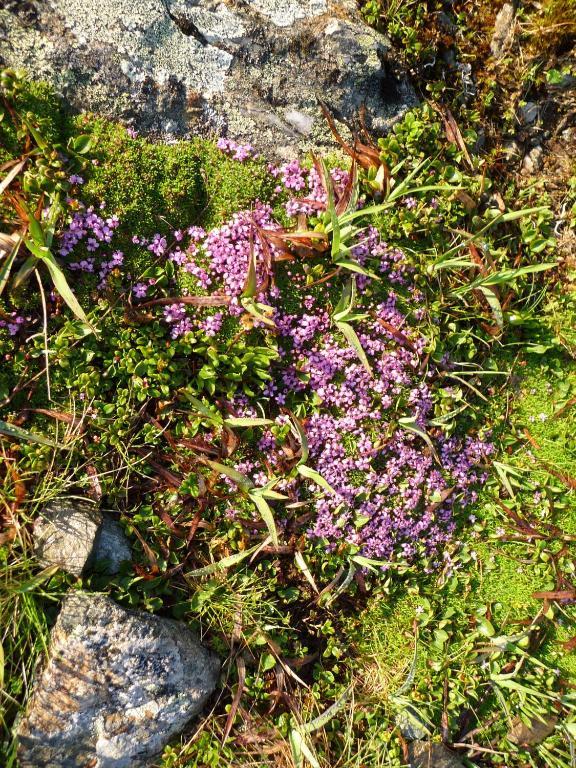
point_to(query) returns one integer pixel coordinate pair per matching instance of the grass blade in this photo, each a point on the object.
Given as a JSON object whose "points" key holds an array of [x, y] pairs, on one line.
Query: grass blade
{"points": [[11, 430], [316, 477], [410, 425], [234, 421], [243, 481], [352, 338], [266, 513]]}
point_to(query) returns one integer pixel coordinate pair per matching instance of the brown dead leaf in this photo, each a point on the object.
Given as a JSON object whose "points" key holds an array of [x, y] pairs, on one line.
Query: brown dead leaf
{"points": [[452, 131]]}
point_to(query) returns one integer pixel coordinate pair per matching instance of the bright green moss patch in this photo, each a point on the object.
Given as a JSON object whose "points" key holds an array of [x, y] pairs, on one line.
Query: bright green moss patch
{"points": [[230, 186], [507, 582], [384, 642]]}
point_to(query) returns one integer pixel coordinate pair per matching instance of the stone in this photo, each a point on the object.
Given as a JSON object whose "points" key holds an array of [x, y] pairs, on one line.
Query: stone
{"points": [[502, 30], [117, 687], [534, 160], [74, 535], [425, 754], [529, 735], [512, 149], [252, 71], [111, 547], [529, 112]]}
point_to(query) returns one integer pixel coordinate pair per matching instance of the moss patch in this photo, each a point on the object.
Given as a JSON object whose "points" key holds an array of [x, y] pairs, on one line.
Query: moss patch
{"points": [[384, 643]]}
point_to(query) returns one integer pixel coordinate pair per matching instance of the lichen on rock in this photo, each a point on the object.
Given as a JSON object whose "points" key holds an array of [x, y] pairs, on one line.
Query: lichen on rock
{"points": [[118, 685], [178, 67]]}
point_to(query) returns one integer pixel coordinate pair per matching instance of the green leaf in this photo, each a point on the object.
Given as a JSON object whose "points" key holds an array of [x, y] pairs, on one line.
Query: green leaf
{"points": [[353, 266], [81, 144], [495, 305], [24, 272], [295, 741], [486, 628], [35, 133], [211, 416], [221, 565], [361, 560], [6, 266], [410, 424], [297, 428], [504, 472], [61, 285], [316, 477], [234, 421], [243, 481], [303, 566], [266, 493], [300, 749], [346, 301], [250, 286], [35, 581], [11, 430], [266, 514], [503, 277], [267, 662], [34, 228], [352, 338], [325, 717], [259, 311]]}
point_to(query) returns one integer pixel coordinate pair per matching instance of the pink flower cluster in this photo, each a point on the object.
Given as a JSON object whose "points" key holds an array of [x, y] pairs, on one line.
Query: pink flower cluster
{"points": [[95, 230], [175, 316], [238, 152]]}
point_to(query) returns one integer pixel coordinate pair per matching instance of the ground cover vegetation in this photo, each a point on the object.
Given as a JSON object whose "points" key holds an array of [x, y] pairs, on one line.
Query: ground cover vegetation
{"points": [[331, 403]]}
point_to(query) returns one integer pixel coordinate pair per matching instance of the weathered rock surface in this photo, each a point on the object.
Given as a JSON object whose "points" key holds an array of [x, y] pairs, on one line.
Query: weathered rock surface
{"points": [[117, 687], [502, 30], [75, 535], [424, 754], [249, 69], [534, 160]]}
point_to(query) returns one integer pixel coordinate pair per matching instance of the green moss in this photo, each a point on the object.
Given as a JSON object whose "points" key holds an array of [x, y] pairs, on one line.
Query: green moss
{"points": [[230, 186], [507, 584], [553, 651], [384, 643]]}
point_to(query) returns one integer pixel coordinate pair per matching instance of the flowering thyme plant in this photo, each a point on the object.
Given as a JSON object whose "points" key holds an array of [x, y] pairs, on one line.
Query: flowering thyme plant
{"points": [[347, 374]]}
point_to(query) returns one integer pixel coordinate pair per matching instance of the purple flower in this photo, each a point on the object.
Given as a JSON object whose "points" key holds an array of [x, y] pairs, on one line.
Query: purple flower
{"points": [[238, 152], [173, 313]]}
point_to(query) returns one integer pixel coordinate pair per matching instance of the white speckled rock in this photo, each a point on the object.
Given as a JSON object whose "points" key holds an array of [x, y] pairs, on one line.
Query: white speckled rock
{"points": [[250, 70], [118, 685]]}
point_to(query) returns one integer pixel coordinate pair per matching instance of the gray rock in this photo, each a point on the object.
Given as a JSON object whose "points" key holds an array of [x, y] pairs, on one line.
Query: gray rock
{"points": [[534, 160], [250, 70], [502, 30], [111, 547], [118, 685], [425, 754], [75, 535], [529, 112]]}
